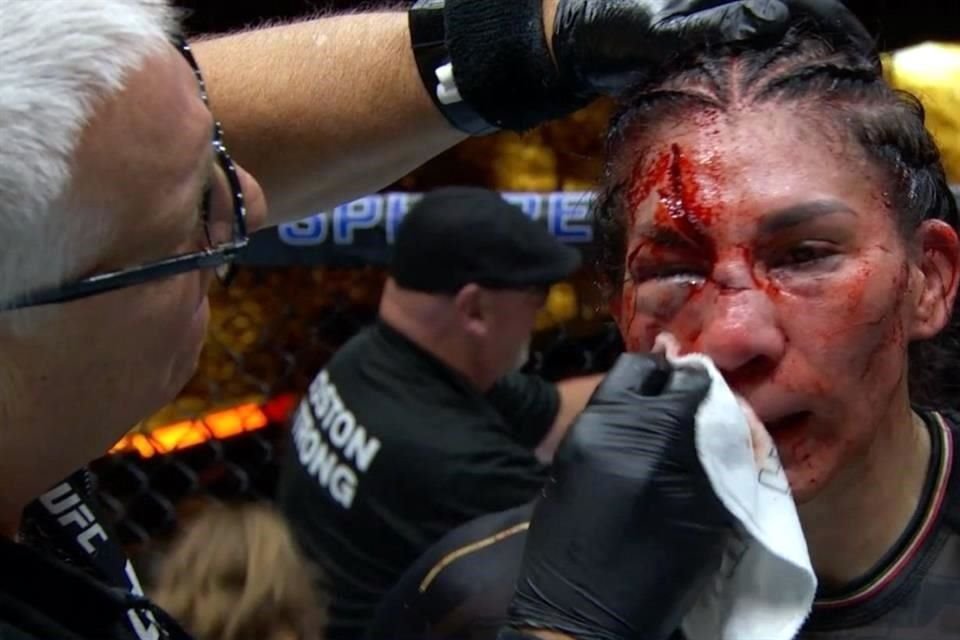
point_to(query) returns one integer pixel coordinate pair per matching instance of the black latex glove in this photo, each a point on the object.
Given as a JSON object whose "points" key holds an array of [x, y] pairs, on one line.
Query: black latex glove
{"points": [[606, 46], [629, 529]]}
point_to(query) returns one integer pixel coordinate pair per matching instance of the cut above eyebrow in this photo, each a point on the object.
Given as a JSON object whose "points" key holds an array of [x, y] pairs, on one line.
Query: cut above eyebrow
{"points": [[795, 215]]}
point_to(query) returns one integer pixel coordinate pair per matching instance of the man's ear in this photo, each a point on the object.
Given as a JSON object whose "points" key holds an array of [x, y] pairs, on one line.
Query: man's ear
{"points": [[472, 305], [939, 264]]}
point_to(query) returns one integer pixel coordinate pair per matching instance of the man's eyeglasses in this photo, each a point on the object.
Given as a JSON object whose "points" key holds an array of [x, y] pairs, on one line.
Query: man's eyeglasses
{"points": [[226, 235]]}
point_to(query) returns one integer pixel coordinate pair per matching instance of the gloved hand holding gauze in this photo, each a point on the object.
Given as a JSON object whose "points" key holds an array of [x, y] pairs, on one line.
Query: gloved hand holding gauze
{"points": [[766, 584]]}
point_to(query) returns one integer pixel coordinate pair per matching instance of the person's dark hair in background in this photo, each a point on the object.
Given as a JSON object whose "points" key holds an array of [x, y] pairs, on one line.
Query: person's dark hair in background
{"points": [[421, 422]]}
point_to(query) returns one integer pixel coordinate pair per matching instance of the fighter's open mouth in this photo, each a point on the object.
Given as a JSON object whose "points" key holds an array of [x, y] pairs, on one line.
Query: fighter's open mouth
{"points": [[790, 421]]}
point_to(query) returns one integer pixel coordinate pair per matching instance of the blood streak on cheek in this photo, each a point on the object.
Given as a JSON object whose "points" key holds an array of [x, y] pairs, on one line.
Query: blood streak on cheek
{"points": [[892, 342], [689, 338], [624, 309], [638, 327], [854, 292], [639, 337], [641, 341]]}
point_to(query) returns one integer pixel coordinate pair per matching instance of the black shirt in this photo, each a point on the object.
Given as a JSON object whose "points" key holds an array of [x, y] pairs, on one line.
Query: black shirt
{"points": [[463, 585], [391, 450]]}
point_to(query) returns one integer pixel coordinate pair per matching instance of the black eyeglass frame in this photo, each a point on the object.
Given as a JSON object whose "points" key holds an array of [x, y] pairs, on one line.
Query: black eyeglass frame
{"points": [[220, 258]]}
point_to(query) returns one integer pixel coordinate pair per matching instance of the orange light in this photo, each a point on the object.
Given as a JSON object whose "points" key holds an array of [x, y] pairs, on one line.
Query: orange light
{"points": [[219, 425]]}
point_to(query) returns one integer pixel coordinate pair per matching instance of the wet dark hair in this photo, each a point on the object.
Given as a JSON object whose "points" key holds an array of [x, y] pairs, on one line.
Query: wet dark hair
{"points": [[840, 87]]}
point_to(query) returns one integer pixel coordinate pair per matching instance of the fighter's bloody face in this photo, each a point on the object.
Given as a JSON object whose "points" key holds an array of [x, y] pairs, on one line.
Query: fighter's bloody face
{"points": [[759, 242]]}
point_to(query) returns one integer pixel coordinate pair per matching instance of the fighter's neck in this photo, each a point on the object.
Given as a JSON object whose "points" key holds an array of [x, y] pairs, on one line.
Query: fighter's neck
{"points": [[857, 521]]}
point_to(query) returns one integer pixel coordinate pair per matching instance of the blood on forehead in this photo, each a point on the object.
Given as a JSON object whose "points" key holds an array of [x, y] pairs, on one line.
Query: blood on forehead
{"points": [[644, 177], [680, 207]]}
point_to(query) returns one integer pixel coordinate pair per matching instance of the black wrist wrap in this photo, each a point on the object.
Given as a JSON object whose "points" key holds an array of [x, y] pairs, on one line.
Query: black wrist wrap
{"points": [[502, 65]]}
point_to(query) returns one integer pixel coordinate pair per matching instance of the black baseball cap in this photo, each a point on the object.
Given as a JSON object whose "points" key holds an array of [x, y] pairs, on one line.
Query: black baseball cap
{"points": [[460, 235]]}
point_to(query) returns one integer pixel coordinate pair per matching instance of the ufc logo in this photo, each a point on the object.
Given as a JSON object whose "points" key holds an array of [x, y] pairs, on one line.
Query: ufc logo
{"points": [[62, 502]]}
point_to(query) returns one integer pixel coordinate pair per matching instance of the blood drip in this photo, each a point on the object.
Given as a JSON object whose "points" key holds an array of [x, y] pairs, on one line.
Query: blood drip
{"points": [[691, 339], [888, 321], [645, 178], [682, 209], [633, 341]]}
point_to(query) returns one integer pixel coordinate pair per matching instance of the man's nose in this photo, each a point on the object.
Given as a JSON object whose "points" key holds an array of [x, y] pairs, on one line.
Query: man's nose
{"points": [[740, 331]]}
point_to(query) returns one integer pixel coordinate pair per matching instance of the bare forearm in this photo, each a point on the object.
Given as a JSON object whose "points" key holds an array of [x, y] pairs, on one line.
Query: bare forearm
{"points": [[323, 111]]}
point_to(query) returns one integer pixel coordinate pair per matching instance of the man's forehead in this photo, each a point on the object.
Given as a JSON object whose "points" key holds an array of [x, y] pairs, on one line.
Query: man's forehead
{"points": [[146, 139]]}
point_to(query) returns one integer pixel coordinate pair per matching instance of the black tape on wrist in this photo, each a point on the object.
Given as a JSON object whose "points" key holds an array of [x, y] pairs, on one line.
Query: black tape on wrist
{"points": [[502, 65], [429, 41]]}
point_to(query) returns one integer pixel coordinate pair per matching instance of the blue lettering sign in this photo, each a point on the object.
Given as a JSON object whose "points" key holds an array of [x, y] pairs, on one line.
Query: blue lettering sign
{"points": [[366, 213], [568, 217], [304, 233], [398, 204], [530, 203], [566, 214]]}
